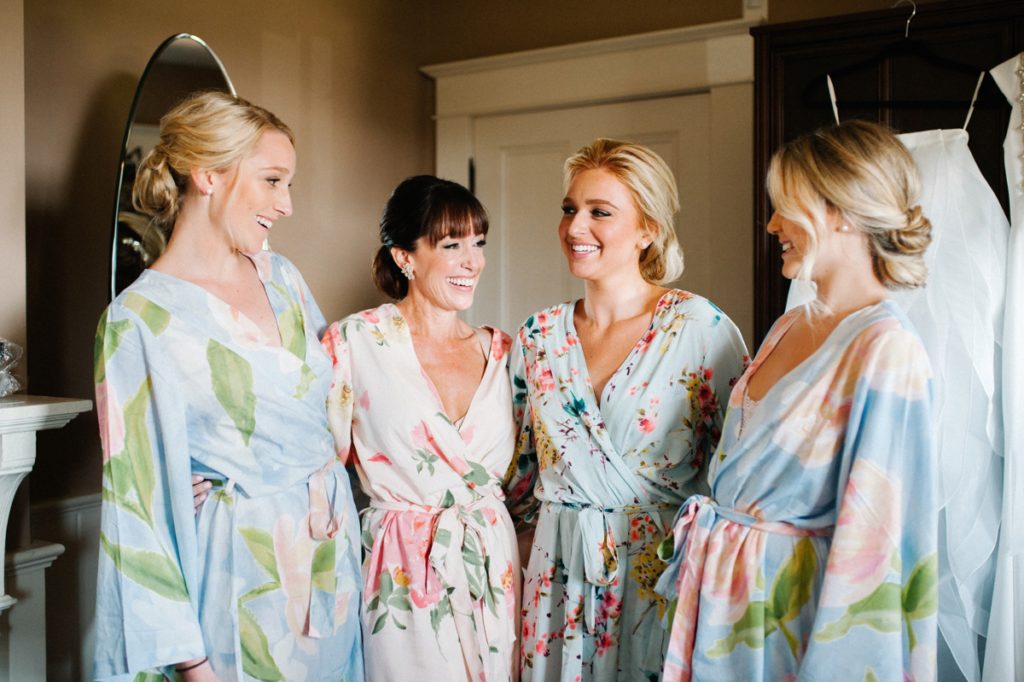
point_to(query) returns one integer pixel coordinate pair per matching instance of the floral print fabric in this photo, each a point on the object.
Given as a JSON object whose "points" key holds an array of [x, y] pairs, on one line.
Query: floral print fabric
{"points": [[815, 556], [441, 566], [265, 580], [603, 482]]}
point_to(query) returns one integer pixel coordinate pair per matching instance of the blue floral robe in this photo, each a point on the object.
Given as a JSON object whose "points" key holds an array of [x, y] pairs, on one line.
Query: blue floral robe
{"points": [[814, 558], [608, 480], [265, 582]]}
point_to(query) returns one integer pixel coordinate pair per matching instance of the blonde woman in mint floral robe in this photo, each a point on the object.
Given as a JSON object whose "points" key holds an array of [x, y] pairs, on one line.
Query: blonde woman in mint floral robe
{"points": [[815, 556], [265, 580], [609, 478], [441, 567]]}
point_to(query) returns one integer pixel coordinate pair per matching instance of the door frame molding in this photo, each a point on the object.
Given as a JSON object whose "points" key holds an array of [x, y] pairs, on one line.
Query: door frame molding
{"points": [[657, 64], [716, 58]]}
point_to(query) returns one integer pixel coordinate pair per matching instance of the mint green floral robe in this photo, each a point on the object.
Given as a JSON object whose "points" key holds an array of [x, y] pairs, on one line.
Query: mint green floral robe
{"points": [[605, 481], [265, 582]]}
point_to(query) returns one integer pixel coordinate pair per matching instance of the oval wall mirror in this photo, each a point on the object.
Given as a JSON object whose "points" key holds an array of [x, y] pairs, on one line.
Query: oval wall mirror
{"points": [[181, 65]]}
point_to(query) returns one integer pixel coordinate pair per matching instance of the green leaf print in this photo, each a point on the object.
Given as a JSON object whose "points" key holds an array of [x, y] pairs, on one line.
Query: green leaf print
{"points": [[920, 595], [155, 572], [135, 462], [293, 334], [870, 675], [231, 377], [149, 676], [261, 546], [256, 659], [792, 586], [155, 317], [749, 630], [477, 475], [380, 623], [880, 610], [324, 576], [448, 500], [106, 344], [259, 591], [306, 377], [576, 407]]}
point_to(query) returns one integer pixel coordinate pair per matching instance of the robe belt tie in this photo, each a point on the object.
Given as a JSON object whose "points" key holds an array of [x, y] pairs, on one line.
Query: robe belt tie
{"points": [[682, 579], [594, 554], [458, 557], [325, 520]]}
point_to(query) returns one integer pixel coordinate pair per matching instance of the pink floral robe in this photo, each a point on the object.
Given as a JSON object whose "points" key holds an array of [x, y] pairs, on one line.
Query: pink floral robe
{"points": [[441, 567]]}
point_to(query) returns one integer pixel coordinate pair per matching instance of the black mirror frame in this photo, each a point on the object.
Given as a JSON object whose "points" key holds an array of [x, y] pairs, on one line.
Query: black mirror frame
{"points": [[128, 131]]}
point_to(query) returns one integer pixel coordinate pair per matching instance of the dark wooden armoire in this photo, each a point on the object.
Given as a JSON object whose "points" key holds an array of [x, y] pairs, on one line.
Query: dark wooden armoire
{"points": [[921, 81]]}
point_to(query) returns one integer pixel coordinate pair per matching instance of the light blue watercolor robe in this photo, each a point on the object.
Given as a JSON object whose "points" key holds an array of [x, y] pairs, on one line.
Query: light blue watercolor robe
{"points": [[265, 582]]}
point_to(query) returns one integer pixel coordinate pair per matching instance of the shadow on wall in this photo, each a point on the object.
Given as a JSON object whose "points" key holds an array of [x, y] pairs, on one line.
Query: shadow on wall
{"points": [[68, 263], [68, 270]]}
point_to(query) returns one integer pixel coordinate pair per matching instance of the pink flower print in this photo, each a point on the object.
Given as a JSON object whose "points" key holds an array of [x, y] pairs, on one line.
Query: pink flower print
{"points": [[646, 339], [646, 424], [501, 343], [423, 438], [111, 418], [733, 561], [467, 433], [866, 535], [364, 401], [603, 642], [294, 556], [544, 380], [381, 458], [370, 316]]}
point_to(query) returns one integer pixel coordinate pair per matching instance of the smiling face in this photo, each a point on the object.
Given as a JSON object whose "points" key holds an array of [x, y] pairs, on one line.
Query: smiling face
{"points": [[795, 243], [256, 192], [446, 273], [601, 229]]}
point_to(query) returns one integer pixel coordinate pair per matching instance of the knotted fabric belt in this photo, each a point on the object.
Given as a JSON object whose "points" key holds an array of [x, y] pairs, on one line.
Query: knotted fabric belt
{"points": [[684, 576], [326, 518], [458, 558], [593, 554]]}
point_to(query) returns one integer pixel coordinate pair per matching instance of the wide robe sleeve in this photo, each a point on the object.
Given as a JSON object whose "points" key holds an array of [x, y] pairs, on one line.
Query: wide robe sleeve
{"points": [[523, 471], [724, 361], [877, 612], [147, 573], [340, 396]]}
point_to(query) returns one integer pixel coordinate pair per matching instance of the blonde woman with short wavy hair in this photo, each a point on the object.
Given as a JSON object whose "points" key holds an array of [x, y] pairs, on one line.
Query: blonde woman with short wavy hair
{"points": [[814, 556]]}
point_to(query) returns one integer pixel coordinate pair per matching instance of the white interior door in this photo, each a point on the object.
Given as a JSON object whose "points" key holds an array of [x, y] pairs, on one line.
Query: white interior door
{"points": [[519, 161]]}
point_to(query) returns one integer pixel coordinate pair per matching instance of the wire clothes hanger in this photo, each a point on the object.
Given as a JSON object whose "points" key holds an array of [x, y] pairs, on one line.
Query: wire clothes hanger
{"points": [[902, 51]]}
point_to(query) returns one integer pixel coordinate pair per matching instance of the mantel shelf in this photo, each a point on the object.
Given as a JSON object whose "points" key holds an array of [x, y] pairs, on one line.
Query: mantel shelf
{"points": [[20, 412]]}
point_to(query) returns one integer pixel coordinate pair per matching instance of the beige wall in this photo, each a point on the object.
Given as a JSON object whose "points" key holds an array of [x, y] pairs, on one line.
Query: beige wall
{"points": [[342, 74], [12, 176]]}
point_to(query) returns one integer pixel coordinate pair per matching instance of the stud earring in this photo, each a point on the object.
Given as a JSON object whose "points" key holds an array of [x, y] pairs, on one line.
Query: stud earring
{"points": [[407, 271], [207, 192], [844, 228]]}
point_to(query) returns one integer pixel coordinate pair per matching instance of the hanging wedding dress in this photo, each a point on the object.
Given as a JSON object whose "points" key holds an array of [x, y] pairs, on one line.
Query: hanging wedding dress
{"points": [[1004, 650], [959, 316]]}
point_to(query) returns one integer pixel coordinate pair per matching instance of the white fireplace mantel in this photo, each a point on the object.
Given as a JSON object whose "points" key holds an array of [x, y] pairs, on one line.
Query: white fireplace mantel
{"points": [[20, 417]]}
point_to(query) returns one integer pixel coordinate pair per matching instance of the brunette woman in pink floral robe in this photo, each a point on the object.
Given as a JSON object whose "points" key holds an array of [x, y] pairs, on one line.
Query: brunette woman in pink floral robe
{"points": [[421, 403]]}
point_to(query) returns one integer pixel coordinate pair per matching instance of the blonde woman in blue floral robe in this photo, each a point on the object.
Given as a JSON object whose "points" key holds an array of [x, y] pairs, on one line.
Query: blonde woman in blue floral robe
{"points": [[611, 444], [814, 557], [192, 377]]}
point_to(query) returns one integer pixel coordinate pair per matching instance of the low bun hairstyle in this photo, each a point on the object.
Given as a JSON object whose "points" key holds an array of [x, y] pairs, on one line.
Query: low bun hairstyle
{"points": [[427, 207], [212, 130], [861, 170], [653, 188]]}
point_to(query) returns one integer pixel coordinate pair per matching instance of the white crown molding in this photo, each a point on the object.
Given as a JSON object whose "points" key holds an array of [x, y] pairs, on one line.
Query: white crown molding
{"points": [[641, 41]]}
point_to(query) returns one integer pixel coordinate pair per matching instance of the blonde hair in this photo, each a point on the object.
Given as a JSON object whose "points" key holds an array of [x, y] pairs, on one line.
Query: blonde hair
{"points": [[212, 130], [862, 171], [653, 188]]}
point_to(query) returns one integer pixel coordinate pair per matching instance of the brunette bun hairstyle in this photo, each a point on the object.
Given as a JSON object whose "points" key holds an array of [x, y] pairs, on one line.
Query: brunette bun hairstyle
{"points": [[427, 207]]}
